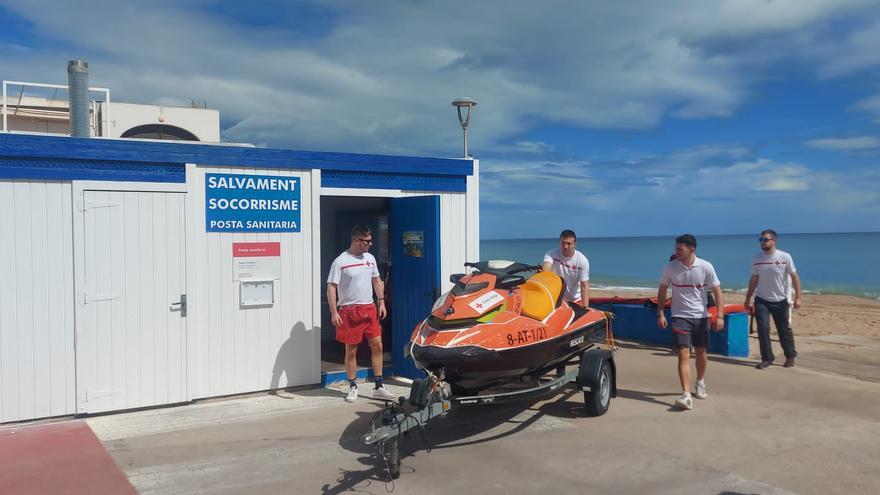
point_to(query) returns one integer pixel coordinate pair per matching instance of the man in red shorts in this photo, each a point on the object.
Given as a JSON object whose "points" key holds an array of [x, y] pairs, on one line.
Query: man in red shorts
{"points": [[353, 279]]}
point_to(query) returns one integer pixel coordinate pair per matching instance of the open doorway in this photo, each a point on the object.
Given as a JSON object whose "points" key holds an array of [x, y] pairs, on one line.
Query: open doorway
{"points": [[338, 215]]}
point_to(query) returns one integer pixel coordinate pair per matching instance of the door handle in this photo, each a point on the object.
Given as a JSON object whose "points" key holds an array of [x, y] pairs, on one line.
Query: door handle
{"points": [[180, 306]]}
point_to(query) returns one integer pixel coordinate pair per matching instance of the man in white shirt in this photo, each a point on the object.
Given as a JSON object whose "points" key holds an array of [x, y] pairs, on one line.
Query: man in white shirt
{"points": [[690, 278], [572, 266], [353, 278], [772, 270]]}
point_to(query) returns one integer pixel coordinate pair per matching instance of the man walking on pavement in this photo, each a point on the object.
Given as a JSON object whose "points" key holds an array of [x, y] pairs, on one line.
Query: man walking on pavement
{"points": [[772, 269], [690, 277], [353, 279]]}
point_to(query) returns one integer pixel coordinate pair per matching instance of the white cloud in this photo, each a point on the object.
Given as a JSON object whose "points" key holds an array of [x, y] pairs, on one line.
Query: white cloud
{"points": [[870, 105], [381, 78], [856, 51], [533, 147], [845, 144]]}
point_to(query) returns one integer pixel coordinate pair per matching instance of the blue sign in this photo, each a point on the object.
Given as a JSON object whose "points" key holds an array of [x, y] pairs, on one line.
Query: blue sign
{"points": [[252, 203]]}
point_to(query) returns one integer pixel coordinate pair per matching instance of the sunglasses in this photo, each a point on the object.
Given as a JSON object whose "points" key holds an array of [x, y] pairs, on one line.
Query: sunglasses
{"points": [[765, 239], [366, 241]]}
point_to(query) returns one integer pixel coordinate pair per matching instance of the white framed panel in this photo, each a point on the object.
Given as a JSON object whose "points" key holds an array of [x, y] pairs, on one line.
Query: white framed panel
{"points": [[36, 301], [237, 349], [129, 251]]}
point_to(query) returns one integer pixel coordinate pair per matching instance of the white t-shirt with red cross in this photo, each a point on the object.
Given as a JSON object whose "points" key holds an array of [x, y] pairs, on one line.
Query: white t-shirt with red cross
{"points": [[573, 270], [690, 286], [774, 275], [353, 276]]}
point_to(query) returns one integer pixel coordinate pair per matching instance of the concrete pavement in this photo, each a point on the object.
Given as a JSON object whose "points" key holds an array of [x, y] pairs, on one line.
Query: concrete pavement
{"points": [[775, 431]]}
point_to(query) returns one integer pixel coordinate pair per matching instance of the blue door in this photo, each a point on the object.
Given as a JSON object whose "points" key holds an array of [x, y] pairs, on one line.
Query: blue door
{"points": [[415, 271]]}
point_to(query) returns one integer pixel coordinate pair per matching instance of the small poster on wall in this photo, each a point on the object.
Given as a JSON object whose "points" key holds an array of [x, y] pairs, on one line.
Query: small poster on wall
{"points": [[414, 243], [256, 260]]}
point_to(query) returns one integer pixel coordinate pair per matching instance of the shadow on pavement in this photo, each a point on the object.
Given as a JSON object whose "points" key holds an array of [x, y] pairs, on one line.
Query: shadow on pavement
{"points": [[462, 426]]}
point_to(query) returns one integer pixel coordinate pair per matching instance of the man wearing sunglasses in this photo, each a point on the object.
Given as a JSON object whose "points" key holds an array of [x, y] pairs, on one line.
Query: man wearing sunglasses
{"points": [[353, 279], [772, 269]]}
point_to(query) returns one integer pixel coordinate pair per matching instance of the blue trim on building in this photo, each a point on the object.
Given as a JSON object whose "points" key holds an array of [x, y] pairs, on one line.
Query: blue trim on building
{"points": [[65, 169], [406, 182], [120, 150]]}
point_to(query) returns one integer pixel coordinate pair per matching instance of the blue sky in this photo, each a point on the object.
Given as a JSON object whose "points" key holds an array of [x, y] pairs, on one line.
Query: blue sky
{"points": [[611, 118]]}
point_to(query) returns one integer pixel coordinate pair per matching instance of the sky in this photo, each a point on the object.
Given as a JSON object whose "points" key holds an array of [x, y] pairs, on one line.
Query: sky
{"points": [[609, 118]]}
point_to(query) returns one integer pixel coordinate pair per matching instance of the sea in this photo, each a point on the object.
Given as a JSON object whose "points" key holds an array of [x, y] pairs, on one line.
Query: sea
{"points": [[839, 263]]}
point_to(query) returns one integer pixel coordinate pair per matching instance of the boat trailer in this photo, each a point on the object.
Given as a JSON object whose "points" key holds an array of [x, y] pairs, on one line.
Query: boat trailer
{"points": [[431, 397]]}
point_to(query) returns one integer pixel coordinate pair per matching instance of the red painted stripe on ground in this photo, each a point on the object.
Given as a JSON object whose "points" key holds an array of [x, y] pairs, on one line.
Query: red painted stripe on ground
{"points": [[62, 458]]}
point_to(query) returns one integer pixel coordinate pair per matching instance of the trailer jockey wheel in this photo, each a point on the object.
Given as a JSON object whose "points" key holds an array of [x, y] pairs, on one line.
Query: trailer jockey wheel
{"points": [[598, 398], [394, 458]]}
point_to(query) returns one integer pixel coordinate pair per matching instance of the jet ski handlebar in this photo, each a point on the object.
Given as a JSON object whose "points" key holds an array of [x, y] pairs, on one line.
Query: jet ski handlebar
{"points": [[502, 267], [529, 268]]}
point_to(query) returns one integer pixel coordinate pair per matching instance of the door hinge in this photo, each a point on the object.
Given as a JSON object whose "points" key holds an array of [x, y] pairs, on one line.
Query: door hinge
{"points": [[92, 395], [91, 205], [90, 297]]}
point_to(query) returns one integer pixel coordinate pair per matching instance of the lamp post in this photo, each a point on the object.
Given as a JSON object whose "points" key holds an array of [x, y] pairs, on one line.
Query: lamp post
{"points": [[467, 103]]}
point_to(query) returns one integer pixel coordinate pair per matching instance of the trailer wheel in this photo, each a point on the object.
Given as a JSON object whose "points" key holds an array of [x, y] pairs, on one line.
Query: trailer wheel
{"points": [[394, 458], [598, 399]]}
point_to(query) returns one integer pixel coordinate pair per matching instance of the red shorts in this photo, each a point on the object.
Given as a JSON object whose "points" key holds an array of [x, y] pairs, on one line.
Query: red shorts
{"points": [[358, 320]]}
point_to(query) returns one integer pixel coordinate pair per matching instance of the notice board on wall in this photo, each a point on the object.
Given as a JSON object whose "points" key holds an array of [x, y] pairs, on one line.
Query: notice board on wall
{"points": [[256, 261]]}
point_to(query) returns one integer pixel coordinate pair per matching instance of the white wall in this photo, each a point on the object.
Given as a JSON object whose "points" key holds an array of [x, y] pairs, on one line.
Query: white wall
{"points": [[48, 126], [234, 350], [473, 214], [229, 350], [203, 122], [36, 300]]}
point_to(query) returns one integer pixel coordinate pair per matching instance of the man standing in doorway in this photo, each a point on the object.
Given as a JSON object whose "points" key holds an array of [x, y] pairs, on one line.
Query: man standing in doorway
{"points": [[690, 278], [353, 279], [572, 266], [771, 271]]}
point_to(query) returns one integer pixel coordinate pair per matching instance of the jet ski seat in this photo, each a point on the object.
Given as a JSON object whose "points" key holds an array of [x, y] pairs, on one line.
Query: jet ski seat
{"points": [[541, 294]]}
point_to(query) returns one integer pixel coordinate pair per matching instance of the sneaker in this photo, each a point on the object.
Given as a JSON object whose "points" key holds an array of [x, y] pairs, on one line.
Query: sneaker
{"points": [[352, 394], [700, 390], [789, 363], [685, 402], [763, 365], [383, 393]]}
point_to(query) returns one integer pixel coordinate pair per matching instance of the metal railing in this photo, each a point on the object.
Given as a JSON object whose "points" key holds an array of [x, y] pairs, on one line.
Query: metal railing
{"points": [[100, 123]]}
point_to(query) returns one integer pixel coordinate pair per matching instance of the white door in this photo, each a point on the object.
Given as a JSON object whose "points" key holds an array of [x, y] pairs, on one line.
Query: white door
{"points": [[131, 327]]}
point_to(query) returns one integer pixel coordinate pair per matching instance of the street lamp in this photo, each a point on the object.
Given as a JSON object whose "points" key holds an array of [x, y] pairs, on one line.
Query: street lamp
{"points": [[468, 103]]}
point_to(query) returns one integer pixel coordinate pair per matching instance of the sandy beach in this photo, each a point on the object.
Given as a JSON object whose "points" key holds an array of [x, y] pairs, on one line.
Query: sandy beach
{"points": [[836, 333]]}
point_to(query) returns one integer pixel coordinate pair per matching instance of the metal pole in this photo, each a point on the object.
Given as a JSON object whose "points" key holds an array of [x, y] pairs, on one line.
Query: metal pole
{"points": [[78, 96], [465, 142], [4, 106], [465, 120]]}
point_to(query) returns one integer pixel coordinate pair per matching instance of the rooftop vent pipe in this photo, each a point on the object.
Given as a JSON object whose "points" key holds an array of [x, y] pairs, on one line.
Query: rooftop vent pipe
{"points": [[78, 94]]}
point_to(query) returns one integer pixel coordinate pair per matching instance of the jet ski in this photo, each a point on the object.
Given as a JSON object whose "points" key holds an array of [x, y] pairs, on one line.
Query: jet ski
{"points": [[504, 322]]}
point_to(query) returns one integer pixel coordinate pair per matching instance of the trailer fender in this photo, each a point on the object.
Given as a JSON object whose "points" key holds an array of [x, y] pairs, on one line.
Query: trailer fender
{"points": [[591, 366]]}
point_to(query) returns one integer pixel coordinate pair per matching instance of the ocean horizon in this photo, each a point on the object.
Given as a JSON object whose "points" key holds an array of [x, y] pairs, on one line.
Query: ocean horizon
{"points": [[827, 263]]}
